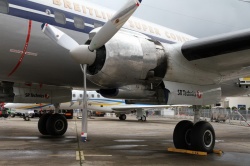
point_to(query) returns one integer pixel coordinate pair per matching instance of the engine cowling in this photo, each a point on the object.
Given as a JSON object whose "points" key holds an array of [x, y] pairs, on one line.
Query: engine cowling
{"points": [[128, 58], [135, 94], [128, 92]]}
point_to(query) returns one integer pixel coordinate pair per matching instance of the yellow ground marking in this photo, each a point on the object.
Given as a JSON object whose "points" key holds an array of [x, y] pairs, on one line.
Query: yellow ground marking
{"points": [[79, 155]]}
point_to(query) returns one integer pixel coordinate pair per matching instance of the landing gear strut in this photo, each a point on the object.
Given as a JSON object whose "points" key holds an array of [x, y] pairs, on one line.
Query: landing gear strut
{"points": [[141, 115], [199, 136]]}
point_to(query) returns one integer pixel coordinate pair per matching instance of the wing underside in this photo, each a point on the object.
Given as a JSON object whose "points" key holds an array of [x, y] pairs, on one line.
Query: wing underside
{"points": [[224, 53]]}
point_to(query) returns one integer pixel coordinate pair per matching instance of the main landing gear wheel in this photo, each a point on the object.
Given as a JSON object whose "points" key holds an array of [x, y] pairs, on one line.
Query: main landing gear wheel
{"points": [[182, 133], [122, 117], [143, 118], [198, 137], [203, 137], [42, 124], [52, 124], [56, 125]]}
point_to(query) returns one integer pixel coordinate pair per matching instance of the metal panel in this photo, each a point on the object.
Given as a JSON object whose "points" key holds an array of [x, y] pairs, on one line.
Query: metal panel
{"points": [[4, 6]]}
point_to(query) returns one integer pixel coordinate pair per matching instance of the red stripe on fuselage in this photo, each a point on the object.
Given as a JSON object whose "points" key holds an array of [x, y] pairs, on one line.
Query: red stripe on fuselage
{"points": [[24, 49]]}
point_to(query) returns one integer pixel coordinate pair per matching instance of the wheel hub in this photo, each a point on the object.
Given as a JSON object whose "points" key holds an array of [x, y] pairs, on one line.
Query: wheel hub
{"points": [[208, 138], [59, 125]]}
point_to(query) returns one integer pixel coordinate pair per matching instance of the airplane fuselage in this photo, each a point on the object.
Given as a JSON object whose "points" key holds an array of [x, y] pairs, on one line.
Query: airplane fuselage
{"points": [[140, 57], [42, 55]]}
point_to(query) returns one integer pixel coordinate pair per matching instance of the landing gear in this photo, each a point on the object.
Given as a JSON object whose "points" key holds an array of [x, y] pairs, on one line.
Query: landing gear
{"points": [[142, 118], [203, 137], [52, 124], [182, 132], [42, 124], [141, 115], [122, 117], [198, 137]]}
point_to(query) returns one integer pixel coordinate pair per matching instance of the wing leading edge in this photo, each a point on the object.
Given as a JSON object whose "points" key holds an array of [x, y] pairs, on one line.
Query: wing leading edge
{"points": [[226, 54], [216, 45]]}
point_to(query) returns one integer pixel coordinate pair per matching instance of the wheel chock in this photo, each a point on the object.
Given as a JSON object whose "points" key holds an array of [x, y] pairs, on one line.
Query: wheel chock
{"points": [[187, 151], [219, 152]]}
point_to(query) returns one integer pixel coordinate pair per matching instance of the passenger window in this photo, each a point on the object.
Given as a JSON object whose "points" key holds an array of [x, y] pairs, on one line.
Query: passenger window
{"points": [[92, 96], [74, 95], [60, 17], [80, 95], [79, 23], [98, 96], [4, 6]]}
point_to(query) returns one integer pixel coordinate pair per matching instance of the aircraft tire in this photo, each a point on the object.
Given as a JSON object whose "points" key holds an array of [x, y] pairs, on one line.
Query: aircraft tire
{"points": [[42, 124], [203, 137], [181, 136], [57, 125], [123, 117], [143, 118]]}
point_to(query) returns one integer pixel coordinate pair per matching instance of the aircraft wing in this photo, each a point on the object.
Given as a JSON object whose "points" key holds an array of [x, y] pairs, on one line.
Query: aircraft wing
{"points": [[226, 53], [131, 107]]}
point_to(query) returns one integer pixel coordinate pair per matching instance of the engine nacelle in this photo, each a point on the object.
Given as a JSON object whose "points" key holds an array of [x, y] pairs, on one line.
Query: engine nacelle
{"points": [[128, 92], [128, 58], [20, 93], [138, 94]]}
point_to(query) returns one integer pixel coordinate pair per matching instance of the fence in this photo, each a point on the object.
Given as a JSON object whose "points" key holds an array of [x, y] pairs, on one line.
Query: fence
{"points": [[239, 117]]}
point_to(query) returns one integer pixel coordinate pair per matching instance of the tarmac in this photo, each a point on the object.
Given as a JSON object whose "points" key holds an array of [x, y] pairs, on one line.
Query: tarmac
{"points": [[114, 142]]}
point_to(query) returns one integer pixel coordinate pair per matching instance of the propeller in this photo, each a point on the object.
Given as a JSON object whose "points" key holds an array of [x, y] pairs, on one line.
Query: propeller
{"points": [[85, 54]]}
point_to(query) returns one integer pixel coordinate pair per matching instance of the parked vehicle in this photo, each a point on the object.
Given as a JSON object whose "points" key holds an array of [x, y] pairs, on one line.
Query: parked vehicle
{"points": [[16, 114], [67, 113], [219, 114]]}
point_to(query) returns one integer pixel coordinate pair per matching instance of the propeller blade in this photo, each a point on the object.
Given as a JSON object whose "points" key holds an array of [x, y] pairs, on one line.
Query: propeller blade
{"points": [[111, 27], [59, 37]]}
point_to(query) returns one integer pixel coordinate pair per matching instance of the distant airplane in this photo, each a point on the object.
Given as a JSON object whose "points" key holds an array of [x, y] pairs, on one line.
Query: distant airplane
{"points": [[96, 102], [120, 56]]}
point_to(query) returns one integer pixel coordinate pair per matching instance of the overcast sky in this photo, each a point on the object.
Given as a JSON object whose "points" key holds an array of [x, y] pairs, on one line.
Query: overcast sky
{"points": [[198, 18]]}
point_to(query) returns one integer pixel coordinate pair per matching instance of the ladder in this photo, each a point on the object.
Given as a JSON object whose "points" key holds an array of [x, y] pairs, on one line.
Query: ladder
{"points": [[243, 118]]}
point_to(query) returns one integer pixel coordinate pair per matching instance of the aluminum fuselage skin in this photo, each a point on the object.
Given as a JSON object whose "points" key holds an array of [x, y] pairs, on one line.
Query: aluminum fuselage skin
{"points": [[47, 63]]}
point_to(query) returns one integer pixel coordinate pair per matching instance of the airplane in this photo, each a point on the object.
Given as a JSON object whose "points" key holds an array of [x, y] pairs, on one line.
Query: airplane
{"points": [[96, 102], [47, 46]]}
